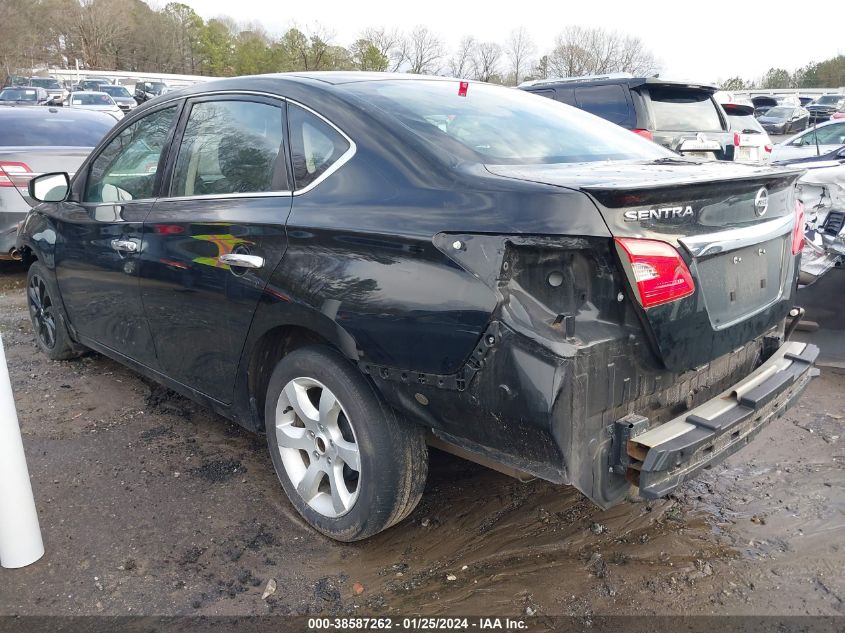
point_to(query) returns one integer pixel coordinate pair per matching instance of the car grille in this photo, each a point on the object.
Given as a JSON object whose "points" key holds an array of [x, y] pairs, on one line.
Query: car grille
{"points": [[834, 222], [123, 107]]}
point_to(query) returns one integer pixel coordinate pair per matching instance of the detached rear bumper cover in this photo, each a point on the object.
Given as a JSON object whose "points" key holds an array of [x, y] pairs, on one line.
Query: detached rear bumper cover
{"points": [[663, 457]]}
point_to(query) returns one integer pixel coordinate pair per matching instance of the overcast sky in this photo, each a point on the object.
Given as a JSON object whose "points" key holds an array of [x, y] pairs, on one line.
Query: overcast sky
{"points": [[704, 40]]}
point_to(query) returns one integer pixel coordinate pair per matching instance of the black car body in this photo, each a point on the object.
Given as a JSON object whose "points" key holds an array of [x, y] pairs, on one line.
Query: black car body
{"points": [[36, 141], [784, 119], [533, 286], [680, 116], [146, 90], [822, 108]]}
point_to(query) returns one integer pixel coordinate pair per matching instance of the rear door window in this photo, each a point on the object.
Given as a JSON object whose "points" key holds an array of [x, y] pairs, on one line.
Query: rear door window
{"points": [[684, 110], [231, 147], [609, 102], [315, 146]]}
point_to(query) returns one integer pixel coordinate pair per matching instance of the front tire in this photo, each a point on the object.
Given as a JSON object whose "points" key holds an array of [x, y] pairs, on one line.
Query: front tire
{"points": [[348, 465], [47, 315]]}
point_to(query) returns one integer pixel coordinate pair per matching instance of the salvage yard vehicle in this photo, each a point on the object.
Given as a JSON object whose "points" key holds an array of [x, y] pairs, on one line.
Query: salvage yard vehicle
{"points": [[358, 262], [24, 96], [96, 102], [680, 116], [825, 106], [817, 141], [785, 119], [752, 143], [35, 141]]}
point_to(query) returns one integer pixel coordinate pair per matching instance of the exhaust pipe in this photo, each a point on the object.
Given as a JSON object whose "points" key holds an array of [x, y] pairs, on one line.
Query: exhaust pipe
{"points": [[16, 255]]}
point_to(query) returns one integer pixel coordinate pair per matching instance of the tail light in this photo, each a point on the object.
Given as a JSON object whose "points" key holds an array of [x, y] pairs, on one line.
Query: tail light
{"points": [[768, 147], [737, 139], [14, 174], [661, 275], [798, 228], [644, 134]]}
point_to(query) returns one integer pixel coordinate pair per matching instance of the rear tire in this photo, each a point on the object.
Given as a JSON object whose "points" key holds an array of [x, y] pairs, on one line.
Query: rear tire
{"points": [[48, 315], [348, 465]]}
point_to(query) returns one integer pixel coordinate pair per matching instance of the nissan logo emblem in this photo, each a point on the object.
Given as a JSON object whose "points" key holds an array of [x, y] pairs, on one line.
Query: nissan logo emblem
{"points": [[761, 202]]}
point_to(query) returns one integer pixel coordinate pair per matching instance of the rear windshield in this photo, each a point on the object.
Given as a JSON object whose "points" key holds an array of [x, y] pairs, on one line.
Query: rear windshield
{"points": [[115, 91], [498, 125], [59, 130], [18, 94], [746, 124], [83, 99], [780, 112], [45, 83], [683, 110]]}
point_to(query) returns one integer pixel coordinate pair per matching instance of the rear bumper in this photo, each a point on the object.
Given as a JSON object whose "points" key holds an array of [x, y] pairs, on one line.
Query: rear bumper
{"points": [[660, 459]]}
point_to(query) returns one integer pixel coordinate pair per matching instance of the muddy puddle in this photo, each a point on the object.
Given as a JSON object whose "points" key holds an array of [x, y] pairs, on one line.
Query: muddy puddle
{"points": [[151, 504]]}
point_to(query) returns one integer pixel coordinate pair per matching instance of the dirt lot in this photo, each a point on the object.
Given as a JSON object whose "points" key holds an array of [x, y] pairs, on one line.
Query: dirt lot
{"points": [[150, 504]]}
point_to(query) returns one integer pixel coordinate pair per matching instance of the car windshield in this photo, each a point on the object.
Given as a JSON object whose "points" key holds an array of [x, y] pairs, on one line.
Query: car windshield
{"points": [[115, 91], [746, 124], [45, 83], [54, 129], [18, 94], [158, 88], [779, 113], [496, 125], [828, 100], [91, 99], [684, 110]]}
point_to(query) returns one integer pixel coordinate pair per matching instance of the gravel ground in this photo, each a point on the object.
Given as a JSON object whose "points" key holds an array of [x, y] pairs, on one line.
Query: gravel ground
{"points": [[150, 504]]}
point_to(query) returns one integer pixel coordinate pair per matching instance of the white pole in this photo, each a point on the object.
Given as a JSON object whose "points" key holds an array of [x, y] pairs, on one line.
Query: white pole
{"points": [[20, 534]]}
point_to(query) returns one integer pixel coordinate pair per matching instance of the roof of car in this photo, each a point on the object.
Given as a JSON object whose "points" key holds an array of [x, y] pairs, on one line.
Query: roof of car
{"points": [[611, 78], [43, 112]]}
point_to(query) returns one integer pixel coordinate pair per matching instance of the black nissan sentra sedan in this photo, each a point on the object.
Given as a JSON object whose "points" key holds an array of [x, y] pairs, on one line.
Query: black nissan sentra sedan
{"points": [[361, 264]]}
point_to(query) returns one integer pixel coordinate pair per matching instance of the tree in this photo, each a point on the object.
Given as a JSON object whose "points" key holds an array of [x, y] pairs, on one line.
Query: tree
{"points": [[590, 51], [461, 64], [423, 51], [486, 62], [776, 78], [187, 26], [367, 56], [734, 83], [216, 46], [519, 49], [101, 25]]}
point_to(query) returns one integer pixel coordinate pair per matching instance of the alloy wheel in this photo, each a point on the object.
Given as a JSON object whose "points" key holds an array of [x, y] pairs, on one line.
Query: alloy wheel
{"points": [[318, 448], [41, 311]]}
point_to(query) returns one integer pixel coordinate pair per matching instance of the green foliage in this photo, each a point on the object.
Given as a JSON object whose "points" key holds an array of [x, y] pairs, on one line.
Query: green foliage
{"points": [[216, 49], [777, 78], [734, 83], [365, 55]]}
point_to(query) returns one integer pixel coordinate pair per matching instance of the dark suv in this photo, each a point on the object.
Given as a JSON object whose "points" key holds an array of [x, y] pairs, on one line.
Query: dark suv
{"points": [[356, 263], [680, 116], [823, 108]]}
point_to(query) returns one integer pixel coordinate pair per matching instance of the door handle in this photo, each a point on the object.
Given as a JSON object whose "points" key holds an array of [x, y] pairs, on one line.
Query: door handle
{"points": [[240, 260], [124, 246]]}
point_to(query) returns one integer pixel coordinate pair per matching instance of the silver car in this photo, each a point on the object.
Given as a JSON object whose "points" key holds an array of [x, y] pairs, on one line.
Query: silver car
{"points": [[815, 141], [35, 141]]}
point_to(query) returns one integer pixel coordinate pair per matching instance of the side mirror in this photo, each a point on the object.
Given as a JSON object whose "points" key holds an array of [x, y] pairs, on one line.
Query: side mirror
{"points": [[50, 187]]}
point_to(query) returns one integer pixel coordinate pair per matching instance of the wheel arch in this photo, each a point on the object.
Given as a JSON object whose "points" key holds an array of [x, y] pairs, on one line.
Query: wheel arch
{"points": [[269, 341]]}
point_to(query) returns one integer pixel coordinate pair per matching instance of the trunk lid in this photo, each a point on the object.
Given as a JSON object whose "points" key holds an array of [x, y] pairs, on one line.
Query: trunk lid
{"points": [[738, 251], [40, 160]]}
